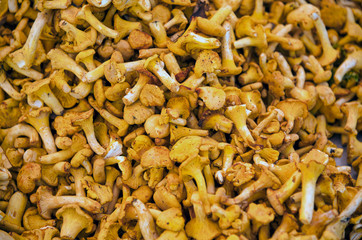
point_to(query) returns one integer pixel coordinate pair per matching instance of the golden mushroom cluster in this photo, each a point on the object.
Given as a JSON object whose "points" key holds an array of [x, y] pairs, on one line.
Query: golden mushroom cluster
{"points": [[180, 119]]}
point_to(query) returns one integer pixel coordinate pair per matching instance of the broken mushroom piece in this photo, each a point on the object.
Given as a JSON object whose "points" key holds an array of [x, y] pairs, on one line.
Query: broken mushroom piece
{"points": [[173, 96]]}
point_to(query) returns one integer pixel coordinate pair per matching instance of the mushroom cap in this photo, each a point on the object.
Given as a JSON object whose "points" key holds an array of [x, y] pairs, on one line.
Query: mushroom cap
{"points": [[185, 148], [76, 213], [215, 120], [30, 88], [157, 157], [171, 219], [270, 177], [274, 201], [9, 115], [63, 125], [317, 156], [84, 54], [260, 213], [240, 173], [48, 232], [293, 108], [245, 26], [78, 117], [207, 62], [27, 176], [49, 175], [5, 236], [34, 113], [181, 105], [137, 113], [302, 15], [101, 193], [32, 219], [214, 98]]}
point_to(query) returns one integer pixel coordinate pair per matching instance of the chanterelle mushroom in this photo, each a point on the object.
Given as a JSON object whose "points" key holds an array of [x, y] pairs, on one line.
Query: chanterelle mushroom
{"points": [[177, 119], [74, 221]]}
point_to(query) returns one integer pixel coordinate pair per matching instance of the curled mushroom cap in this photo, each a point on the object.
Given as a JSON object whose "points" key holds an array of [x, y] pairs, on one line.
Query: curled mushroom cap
{"points": [[32, 220], [301, 16]]}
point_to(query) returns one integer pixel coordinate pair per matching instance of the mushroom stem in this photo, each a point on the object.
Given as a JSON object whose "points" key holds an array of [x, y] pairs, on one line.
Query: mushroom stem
{"points": [[9, 226], [278, 197], [86, 14], [266, 180], [16, 208], [311, 167], [98, 72], [329, 54], [228, 64], [26, 72], [352, 61], [8, 88], [48, 97], [47, 202], [335, 230], [156, 66], [41, 124], [145, 220], [20, 130], [60, 60], [86, 123], [238, 114], [25, 56], [121, 124]]}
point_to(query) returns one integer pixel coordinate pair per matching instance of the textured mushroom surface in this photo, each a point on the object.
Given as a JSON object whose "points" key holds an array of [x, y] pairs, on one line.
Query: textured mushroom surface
{"points": [[180, 119]]}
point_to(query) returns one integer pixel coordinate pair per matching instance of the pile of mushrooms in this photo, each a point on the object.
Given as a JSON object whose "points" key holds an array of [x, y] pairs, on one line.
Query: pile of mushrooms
{"points": [[180, 119]]}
